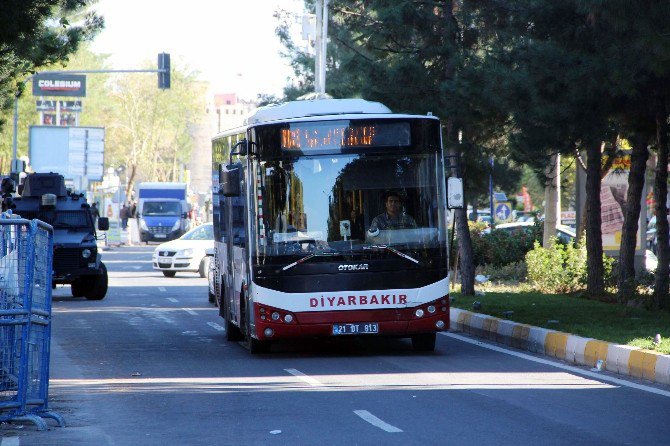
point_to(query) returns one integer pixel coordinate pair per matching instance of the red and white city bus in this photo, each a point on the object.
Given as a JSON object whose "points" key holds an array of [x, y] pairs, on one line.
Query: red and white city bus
{"points": [[297, 250]]}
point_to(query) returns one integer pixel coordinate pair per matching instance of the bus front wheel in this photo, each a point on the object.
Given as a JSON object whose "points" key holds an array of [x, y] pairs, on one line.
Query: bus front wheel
{"points": [[424, 342]]}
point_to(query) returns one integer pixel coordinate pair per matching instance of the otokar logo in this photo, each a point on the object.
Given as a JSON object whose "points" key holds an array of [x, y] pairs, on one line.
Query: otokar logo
{"points": [[358, 267]]}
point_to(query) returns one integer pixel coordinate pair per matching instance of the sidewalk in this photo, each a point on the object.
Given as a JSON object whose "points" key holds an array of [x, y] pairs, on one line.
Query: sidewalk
{"points": [[621, 359]]}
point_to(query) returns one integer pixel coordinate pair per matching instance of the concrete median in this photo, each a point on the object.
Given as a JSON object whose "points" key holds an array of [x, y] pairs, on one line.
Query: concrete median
{"points": [[620, 359]]}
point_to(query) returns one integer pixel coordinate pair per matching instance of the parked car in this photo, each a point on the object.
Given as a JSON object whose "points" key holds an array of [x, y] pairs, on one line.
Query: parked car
{"points": [[564, 233], [187, 253]]}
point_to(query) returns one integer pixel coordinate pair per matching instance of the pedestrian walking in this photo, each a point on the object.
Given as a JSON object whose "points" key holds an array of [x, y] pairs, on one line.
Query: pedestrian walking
{"points": [[124, 213], [95, 213]]}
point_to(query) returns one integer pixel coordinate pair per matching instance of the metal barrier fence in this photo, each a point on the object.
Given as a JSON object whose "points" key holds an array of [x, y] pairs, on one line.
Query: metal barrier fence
{"points": [[26, 255]]}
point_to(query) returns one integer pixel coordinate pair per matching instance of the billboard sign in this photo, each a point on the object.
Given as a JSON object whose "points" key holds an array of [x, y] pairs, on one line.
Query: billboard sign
{"points": [[59, 85], [74, 152]]}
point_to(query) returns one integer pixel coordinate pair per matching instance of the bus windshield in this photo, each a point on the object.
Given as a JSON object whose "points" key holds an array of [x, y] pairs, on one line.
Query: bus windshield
{"points": [[350, 203]]}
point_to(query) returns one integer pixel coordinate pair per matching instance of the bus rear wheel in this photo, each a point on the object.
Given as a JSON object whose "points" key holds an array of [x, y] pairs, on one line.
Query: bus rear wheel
{"points": [[424, 342], [233, 332]]}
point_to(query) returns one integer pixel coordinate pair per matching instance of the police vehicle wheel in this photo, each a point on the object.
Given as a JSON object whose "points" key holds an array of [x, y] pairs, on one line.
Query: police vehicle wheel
{"points": [[97, 287], [424, 342], [204, 266], [169, 273], [77, 289]]}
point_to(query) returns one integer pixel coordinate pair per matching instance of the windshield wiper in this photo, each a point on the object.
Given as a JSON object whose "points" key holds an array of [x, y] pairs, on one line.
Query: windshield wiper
{"points": [[314, 254], [394, 251]]}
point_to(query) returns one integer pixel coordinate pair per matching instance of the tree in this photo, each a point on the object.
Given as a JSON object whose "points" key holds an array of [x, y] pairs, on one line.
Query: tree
{"points": [[150, 130], [35, 33]]}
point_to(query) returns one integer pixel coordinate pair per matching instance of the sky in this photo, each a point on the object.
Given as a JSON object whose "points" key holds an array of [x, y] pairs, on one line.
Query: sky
{"points": [[231, 43]]}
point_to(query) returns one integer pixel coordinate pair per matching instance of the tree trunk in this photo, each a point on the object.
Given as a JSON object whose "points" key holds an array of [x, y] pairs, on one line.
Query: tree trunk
{"points": [[466, 253], [131, 179], [661, 195], [461, 215], [638, 167], [594, 241]]}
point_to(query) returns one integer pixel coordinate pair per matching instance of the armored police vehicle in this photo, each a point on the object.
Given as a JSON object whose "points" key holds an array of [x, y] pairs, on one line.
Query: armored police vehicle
{"points": [[76, 260]]}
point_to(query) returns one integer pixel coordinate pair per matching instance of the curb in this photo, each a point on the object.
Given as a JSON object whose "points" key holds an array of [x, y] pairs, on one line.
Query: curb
{"points": [[621, 359]]}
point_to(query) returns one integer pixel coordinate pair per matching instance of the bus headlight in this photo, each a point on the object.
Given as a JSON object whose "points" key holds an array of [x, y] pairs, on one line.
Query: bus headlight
{"points": [[288, 318], [419, 313], [143, 225], [431, 308], [176, 226], [275, 316], [86, 253]]}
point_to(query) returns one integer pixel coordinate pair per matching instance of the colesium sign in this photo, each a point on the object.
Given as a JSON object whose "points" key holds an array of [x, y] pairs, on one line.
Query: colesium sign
{"points": [[59, 85]]}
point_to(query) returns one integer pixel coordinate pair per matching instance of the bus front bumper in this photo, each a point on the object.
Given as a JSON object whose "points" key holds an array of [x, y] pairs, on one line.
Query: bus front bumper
{"points": [[397, 322]]}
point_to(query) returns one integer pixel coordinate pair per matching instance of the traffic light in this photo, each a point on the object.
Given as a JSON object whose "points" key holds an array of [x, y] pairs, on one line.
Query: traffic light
{"points": [[163, 71]]}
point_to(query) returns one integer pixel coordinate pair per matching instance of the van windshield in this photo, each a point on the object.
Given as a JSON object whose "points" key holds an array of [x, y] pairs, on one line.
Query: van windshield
{"points": [[161, 208]]}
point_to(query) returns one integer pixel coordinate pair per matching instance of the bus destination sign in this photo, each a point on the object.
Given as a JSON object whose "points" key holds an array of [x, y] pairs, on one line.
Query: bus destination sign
{"points": [[307, 136]]}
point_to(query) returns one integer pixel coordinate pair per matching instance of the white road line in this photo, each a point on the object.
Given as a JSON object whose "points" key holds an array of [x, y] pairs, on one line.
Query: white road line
{"points": [[558, 365], [308, 379], [172, 299], [373, 420], [189, 311], [216, 326], [160, 288], [9, 441]]}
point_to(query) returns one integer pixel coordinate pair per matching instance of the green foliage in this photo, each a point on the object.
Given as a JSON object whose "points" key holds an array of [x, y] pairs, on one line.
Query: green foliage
{"points": [[562, 268], [515, 272], [502, 247], [35, 33]]}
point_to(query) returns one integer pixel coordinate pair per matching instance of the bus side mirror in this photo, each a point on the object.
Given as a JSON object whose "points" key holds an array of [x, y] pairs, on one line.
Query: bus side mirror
{"points": [[455, 193], [229, 180], [103, 223]]}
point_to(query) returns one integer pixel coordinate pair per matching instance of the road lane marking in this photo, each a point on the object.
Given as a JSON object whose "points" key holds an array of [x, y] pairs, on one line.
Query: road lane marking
{"points": [[308, 379], [160, 288], [367, 416], [172, 299], [216, 326], [10, 441], [596, 376], [189, 311]]}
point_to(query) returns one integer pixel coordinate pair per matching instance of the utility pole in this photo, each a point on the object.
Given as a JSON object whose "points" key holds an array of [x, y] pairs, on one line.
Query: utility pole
{"points": [[321, 46], [552, 200]]}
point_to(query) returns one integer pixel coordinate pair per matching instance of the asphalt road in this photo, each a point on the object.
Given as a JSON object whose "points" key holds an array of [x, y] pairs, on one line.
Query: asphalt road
{"points": [[149, 365]]}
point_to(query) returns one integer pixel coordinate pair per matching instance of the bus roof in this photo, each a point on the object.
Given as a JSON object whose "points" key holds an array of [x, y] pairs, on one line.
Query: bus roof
{"points": [[317, 110], [316, 107]]}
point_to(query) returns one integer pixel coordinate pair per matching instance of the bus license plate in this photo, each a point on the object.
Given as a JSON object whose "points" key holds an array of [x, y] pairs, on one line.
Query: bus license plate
{"points": [[356, 329], [160, 235]]}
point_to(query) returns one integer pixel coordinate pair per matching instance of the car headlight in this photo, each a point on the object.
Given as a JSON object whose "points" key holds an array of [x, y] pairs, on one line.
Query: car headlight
{"points": [[143, 224], [176, 225], [186, 252], [86, 253]]}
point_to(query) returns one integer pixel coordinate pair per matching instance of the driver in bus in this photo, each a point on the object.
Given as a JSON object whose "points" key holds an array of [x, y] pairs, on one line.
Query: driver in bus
{"points": [[394, 217]]}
